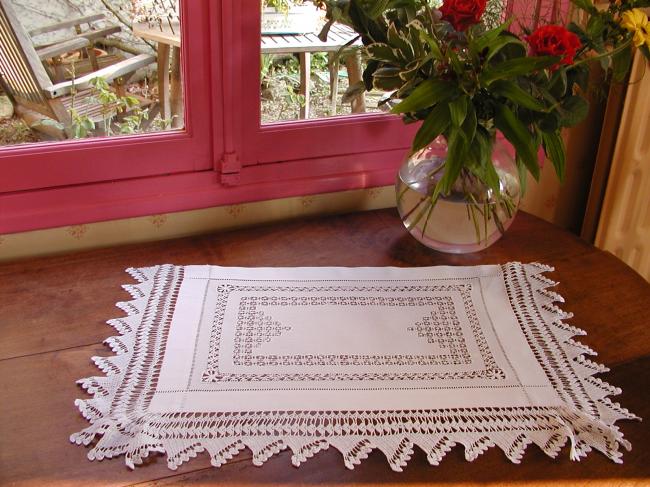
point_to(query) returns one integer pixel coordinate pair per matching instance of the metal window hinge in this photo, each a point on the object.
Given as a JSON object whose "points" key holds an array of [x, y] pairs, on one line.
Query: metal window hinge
{"points": [[230, 169]]}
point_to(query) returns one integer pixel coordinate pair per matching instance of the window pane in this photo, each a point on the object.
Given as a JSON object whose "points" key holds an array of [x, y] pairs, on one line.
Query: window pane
{"points": [[303, 76], [87, 68]]}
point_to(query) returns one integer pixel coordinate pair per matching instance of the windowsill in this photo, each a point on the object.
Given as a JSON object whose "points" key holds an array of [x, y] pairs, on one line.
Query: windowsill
{"points": [[194, 222]]}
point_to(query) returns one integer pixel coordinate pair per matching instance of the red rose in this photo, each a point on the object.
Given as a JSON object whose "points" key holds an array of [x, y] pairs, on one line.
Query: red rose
{"points": [[463, 13], [554, 40]]}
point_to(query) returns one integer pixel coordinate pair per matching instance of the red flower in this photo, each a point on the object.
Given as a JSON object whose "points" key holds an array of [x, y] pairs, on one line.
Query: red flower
{"points": [[463, 13], [554, 40]]}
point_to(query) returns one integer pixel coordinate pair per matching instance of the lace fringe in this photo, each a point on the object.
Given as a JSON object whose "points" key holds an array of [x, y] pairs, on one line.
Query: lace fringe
{"points": [[126, 428]]}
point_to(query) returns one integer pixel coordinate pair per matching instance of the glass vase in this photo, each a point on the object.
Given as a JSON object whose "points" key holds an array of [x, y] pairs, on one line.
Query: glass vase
{"points": [[468, 219]]}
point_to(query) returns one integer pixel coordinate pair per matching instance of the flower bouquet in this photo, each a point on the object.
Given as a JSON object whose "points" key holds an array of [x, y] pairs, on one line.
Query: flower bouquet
{"points": [[471, 84]]}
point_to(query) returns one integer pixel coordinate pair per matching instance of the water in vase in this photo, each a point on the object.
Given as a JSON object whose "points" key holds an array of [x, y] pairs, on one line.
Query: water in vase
{"points": [[453, 225]]}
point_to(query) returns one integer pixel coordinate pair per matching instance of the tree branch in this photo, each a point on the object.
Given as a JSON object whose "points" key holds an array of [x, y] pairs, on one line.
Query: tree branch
{"points": [[121, 45], [124, 21]]}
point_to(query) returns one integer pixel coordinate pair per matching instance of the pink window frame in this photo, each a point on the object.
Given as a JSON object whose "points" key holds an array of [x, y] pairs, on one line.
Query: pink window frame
{"points": [[71, 162], [224, 157], [317, 141]]}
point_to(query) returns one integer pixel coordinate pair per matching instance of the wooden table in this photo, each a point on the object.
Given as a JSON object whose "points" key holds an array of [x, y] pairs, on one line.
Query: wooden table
{"points": [[305, 44], [52, 314], [170, 84], [170, 88]]}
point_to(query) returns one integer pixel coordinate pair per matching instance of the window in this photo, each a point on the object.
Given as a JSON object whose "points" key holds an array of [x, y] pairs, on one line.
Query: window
{"points": [[349, 144], [74, 162], [223, 155]]}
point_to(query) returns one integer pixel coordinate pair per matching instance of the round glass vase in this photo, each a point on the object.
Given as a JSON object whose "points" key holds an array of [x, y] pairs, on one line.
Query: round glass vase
{"points": [[470, 218]]}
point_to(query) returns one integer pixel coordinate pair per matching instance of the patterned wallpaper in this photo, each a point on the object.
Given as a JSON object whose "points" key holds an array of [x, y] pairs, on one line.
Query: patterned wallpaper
{"points": [[541, 200], [182, 224]]}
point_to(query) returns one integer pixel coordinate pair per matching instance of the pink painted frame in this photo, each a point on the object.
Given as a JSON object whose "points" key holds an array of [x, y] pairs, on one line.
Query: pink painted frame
{"points": [[300, 140], [43, 165], [234, 160]]}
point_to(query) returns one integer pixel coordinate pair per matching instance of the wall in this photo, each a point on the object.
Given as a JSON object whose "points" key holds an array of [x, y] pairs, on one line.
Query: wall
{"points": [[624, 227], [540, 200], [159, 227]]}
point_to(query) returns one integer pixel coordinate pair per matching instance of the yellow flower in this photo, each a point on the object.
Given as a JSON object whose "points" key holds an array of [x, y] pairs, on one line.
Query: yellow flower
{"points": [[636, 20]]}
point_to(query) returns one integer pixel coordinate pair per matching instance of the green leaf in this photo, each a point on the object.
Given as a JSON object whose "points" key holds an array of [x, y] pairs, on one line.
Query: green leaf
{"points": [[487, 39], [433, 45], [558, 84], [457, 149], [375, 9], [387, 79], [516, 67], [622, 61], [410, 71], [131, 101], [491, 178], [550, 123], [382, 52], [482, 147], [585, 5], [456, 65], [458, 111], [512, 50], [387, 72], [595, 26], [485, 143], [369, 73], [519, 136], [555, 151], [428, 93], [399, 42], [512, 91], [387, 83], [414, 30], [500, 43], [645, 50], [574, 110], [470, 123], [435, 124], [523, 175]]}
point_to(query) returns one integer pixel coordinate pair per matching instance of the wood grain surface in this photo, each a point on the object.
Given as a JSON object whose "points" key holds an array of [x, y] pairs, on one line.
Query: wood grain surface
{"points": [[53, 310]]}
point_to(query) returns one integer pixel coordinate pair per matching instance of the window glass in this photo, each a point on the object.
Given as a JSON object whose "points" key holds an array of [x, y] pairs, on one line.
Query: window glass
{"points": [[86, 68], [305, 75]]}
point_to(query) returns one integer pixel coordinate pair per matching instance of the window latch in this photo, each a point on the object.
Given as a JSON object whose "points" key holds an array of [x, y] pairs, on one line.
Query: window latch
{"points": [[230, 169]]}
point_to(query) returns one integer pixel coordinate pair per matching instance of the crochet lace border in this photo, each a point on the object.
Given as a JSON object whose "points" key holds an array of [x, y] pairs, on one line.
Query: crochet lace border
{"points": [[118, 410]]}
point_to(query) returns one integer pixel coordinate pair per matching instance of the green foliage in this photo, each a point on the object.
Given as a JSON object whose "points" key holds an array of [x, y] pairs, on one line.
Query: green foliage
{"points": [[111, 105], [282, 6], [266, 66], [467, 85]]}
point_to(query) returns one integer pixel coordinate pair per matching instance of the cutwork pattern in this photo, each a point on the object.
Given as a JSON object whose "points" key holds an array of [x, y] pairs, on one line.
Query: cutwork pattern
{"points": [[245, 334], [441, 326], [119, 413]]}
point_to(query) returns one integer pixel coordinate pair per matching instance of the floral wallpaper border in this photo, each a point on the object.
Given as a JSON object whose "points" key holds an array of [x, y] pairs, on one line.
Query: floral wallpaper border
{"points": [[182, 224], [540, 200]]}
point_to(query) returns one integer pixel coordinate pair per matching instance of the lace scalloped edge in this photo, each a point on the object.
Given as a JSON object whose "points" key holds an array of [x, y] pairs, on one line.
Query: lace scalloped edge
{"points": [[135, 433]]}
